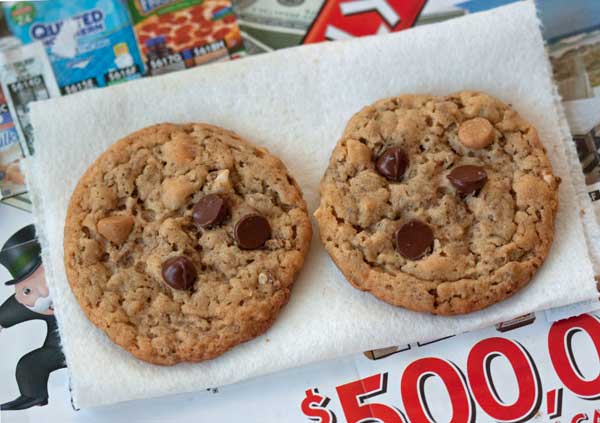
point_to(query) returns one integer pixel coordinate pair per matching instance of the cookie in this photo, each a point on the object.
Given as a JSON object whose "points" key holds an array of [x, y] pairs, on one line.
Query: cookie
{"points": [[182, 241], [438, 204]]}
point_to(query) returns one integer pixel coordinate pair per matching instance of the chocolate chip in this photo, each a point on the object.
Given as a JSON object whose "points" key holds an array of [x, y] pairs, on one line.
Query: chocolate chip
{"points": [[392, 164], [414, 239], [468, 179], [179, 273], [252, 231], [211, 210]]}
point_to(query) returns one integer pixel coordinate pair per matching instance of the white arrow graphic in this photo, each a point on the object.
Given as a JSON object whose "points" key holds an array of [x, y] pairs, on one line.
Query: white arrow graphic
{"points": [[380, 6], [335, 34]]}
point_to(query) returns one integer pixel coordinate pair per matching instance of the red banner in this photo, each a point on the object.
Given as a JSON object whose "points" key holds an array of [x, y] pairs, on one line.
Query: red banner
{"points": [[475, 383], [343, 19]]}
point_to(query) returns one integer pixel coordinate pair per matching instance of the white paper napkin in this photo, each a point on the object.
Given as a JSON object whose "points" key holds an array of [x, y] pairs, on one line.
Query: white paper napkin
{"points": [[296, 103]]}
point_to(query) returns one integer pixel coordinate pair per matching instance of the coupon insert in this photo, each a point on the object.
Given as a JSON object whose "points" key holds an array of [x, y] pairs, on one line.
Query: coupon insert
{"points": [[90, 43]]}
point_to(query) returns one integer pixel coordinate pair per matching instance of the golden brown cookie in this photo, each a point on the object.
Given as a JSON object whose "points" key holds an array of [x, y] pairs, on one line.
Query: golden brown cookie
{"points": [[182, 241], [438, 204]]}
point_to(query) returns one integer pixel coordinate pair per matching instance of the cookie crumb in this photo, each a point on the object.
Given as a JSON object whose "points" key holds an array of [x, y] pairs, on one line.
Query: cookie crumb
{"points": [[263, 278]]}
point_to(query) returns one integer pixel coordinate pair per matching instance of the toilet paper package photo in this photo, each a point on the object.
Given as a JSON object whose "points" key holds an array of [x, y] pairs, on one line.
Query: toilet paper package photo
{"points": [[90, 43]]}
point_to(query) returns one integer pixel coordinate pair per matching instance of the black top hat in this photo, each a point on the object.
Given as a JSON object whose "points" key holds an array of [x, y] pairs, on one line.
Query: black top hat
{"points": [[21, 254]]}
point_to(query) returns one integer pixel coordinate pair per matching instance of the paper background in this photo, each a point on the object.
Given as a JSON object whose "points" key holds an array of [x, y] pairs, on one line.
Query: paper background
{"points": [[296, 102]]}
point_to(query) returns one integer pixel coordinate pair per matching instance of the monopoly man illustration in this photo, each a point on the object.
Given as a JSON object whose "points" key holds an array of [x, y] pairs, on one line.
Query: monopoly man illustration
{"points": [[20, 255]]}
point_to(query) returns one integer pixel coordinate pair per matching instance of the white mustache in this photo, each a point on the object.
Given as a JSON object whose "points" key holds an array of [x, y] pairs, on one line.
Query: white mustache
{"points": [[42, 304]]}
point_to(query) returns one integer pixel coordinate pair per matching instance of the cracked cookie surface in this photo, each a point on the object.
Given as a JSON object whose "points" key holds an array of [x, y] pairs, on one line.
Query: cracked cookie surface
{"points": [[438, 204], [164, 279]]}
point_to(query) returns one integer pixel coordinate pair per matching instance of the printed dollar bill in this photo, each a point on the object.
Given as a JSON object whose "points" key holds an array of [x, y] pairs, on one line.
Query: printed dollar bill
{"points": [[269, 38], [254, 46], [285, 14], [274, 24]]}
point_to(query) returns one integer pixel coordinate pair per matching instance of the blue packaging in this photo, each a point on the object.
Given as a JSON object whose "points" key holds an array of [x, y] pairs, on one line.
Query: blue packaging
{"points": [[90, 43]]}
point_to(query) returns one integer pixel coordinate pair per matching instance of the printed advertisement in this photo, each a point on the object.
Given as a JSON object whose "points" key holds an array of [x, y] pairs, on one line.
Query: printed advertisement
{"points": [[90, 43], [341, 20], [273, 24], [20, 256], [574, 48], [526, 370], [179, 34], [26, 76], [12, 181]]}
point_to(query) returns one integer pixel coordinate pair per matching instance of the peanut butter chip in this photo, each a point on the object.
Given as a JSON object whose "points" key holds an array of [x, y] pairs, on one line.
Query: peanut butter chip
{"points": [[116, 228], [476, 133]]}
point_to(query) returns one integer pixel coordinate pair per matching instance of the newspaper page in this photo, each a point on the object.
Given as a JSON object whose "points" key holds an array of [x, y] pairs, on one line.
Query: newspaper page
{"points": [[12, 181], [574, 48], [26, 76]]}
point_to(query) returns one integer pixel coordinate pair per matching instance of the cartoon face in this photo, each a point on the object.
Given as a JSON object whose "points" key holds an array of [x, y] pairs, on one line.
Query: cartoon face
{"points": [[33, 293]]}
